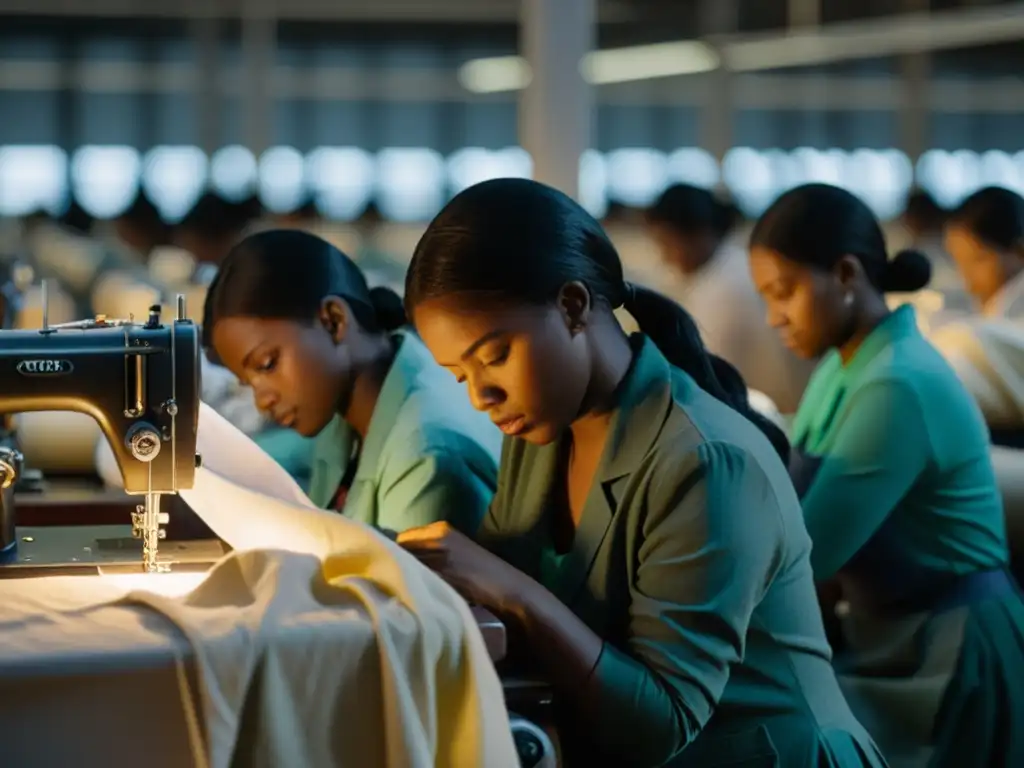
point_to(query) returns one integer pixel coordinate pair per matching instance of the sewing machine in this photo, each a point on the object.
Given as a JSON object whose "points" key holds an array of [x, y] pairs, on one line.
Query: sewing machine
{"points": [[140, 382]]}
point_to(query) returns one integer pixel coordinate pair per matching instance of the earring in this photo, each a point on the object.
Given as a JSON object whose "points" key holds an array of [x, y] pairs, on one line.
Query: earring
{"points": [[848, 300]]}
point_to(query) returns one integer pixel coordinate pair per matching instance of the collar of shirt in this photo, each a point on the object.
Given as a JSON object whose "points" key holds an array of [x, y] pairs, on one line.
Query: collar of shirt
{"points": [[1008, 303]]}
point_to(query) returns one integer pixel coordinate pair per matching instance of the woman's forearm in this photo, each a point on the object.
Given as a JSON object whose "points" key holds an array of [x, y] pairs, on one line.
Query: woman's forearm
{"points": [[567, 649], [628, 711]]}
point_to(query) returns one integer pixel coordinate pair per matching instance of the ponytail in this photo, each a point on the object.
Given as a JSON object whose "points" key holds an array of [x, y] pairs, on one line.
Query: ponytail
{"points": [[388, 310], [675, 334]]}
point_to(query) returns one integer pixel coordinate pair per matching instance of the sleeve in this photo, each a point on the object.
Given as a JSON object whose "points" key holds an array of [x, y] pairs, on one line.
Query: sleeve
{"points": [[877, 453], [712, 543], [440, 484]]}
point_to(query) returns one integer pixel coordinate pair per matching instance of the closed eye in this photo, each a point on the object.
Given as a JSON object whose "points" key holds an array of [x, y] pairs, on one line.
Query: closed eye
{"points": [[267, 365], [500, 358]]}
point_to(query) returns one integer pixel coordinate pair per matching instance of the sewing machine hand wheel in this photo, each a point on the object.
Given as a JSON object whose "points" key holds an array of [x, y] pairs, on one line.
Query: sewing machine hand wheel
{"points": [[10, 466]]}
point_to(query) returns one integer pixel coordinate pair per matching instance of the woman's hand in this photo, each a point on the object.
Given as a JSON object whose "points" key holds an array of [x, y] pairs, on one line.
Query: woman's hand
{"points": [[475, 573]]}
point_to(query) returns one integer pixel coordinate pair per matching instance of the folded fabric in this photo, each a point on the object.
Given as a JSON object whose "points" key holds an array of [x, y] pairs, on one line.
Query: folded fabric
{"points": [[317, 642]]}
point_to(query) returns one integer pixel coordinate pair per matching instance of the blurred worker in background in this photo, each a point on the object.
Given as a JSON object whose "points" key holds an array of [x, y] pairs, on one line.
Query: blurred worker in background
{"points": [[76, 219], [921, 228], [304, 216], [710, 278], [140, 228], [212, 227], [985, 236]]}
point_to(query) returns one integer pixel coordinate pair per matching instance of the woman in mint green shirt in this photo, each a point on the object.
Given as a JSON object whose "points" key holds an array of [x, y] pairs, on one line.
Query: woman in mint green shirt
{"points": [[396, 443], [645, 541], [891, 459]]}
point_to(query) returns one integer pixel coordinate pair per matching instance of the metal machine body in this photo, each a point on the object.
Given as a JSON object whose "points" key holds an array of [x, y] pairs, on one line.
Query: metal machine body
{"points": [[139, 381]]}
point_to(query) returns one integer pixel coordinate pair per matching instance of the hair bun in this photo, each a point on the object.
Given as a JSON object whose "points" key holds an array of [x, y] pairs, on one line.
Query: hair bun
{"points": [[908, 271], [388, 309]]}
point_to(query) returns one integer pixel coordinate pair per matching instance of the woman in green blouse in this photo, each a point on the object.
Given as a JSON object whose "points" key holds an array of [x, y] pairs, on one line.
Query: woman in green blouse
{"points": [[891, 459], [396, 445], [645, 540]]}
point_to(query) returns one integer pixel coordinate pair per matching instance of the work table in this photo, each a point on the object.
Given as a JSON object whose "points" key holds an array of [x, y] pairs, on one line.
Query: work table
{"points": [[51, 520]]}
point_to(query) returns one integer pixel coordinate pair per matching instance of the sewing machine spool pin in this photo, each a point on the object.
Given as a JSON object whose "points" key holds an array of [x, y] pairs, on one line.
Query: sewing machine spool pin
{"points": [[46, 304]]}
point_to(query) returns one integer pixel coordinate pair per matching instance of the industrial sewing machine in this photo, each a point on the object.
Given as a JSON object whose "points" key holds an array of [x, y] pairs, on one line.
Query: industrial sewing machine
{"points": [[139, 381]]}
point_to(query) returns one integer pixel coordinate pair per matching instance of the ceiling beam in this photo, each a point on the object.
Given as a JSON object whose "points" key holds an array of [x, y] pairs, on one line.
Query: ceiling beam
{"points": [[396, 11], [874, 38], [336, 84]]}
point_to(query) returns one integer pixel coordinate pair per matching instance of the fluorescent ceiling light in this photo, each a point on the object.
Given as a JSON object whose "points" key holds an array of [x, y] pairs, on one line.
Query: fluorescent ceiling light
{"points": [[872, 38], [495, 75], [614, 65], [646, 62]]}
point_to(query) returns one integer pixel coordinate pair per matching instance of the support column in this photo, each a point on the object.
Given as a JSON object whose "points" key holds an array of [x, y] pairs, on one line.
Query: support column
{"points": [[716, 119], [811, 125], [915, 73], [208, 88], [259, 43], [556, 110]]}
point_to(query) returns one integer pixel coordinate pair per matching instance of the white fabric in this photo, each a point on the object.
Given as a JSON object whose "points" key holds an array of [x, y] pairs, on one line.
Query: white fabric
{"points": [[316, 643], [763, 404], [1008, 304], [988, 356]]}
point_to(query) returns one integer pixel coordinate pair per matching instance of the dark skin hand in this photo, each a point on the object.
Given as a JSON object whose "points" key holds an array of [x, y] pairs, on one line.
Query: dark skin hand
{"points": [[567, 648]]}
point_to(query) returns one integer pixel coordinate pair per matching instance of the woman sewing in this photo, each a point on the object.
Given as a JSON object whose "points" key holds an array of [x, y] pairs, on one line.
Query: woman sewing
{"points": [[397, 445], [985, 236], [645, 538], [891, 459]]}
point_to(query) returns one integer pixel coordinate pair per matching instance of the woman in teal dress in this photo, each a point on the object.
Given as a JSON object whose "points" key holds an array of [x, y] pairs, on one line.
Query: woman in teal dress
{"points": [[891, 459], [397, 445], [645, 541]]}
